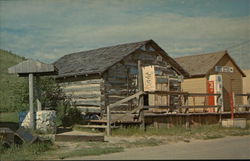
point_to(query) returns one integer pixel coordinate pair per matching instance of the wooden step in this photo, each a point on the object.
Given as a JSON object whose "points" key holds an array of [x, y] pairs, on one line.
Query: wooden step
{"points": [[98, 121], [118, 121], [95, 126]]}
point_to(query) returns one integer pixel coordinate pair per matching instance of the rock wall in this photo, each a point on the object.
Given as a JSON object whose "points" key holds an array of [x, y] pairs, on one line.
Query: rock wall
{"points": [[45, 121]]}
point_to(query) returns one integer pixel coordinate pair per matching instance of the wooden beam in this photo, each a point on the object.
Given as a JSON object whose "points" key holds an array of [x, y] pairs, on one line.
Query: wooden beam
{"points": [[38, 94], [126, 114], [140, 77], [108, 129], [186, 106], [140, 87], [136, 95], [201, 106], [157, 106], [167, 92], [247, 105], [186, 103], [247, 94], [204, 94], [31, 96]]}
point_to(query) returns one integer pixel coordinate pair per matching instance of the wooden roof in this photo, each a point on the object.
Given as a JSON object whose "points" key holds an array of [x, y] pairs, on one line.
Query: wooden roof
{"points": [[99, 60], [200, 65], [32, 66]]}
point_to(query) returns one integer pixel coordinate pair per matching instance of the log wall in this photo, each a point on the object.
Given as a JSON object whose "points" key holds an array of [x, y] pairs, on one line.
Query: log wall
{"points": [[121, 79], [85, 94]]}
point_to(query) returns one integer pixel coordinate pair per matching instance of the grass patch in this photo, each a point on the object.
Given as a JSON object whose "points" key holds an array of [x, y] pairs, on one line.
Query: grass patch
{"points": [[91, 151], [202, 132], [25, 151], [150, 131], [206, 137], [9, 117], [84, 129], [141, 143]]}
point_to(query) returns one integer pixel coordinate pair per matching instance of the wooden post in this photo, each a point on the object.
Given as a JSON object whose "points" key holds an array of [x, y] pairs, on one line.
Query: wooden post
{"points": [[186, 111], [232, 105], [38, 94], [248, 100], [140, 77], [140, 88], [142, 112], [186, 102], [108, 121], [31, 93], [187, 122], [194, 103], [169, 96]]}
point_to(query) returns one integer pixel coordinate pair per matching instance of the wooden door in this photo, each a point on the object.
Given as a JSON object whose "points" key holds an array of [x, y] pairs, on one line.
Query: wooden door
{"points": [[227, 89]]}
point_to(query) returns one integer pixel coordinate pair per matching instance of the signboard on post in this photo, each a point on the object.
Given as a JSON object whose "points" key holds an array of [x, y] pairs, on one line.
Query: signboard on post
{"points": [[211, 98], [149, 80]]}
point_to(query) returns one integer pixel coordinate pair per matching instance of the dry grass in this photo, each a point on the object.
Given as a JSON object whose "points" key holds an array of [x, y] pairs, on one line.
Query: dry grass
{"points": [[201, 132]]}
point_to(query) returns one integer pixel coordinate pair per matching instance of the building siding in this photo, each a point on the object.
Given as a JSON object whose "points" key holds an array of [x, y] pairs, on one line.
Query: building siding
{"points": [[195, 85], [246, 84], [231, 82], [84, 94]]}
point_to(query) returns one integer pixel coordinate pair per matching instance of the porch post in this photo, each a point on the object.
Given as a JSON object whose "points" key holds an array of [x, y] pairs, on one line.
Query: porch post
{"points": [[141, 101], [31, 93], [38, 94]]}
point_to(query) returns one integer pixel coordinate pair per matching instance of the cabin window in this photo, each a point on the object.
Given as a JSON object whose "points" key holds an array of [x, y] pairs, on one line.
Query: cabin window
{"points": [[226, 69]]}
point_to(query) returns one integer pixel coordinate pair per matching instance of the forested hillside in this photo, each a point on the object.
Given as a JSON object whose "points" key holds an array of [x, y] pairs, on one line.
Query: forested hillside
{"points": [[13, 89]]}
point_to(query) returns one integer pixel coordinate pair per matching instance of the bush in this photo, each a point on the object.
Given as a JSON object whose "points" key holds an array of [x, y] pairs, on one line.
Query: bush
{"points": [[69, 115], [52, 95]]}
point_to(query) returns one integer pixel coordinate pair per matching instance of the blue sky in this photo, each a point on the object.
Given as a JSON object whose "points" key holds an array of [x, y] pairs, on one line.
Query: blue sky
{"points": [[48, 29]]}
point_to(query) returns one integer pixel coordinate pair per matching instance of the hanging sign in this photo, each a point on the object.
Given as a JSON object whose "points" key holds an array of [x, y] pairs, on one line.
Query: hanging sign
{"points": [[149, 81]]}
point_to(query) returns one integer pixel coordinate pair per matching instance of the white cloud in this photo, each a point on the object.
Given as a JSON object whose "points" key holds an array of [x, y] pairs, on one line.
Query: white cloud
{"points": [[48, 30]]}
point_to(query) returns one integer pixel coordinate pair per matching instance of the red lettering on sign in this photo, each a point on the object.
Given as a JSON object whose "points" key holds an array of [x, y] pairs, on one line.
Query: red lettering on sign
{"points": [[211, 98]]}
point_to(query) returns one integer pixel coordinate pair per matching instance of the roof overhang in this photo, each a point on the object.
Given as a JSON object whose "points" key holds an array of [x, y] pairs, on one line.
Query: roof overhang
{"points": [[37, 68]]}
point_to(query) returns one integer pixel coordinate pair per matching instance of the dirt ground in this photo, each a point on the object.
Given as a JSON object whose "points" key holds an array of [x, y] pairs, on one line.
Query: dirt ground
{"points": [[233, 147]]}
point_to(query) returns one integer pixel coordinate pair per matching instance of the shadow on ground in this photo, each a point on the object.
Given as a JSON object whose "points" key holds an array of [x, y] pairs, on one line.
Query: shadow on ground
{"points": [[12, 125]]}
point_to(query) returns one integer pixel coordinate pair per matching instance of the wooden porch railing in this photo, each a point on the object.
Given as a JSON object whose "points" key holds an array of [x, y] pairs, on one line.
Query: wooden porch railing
{"points": [[186, 95], [139, 96], [243, 105]]}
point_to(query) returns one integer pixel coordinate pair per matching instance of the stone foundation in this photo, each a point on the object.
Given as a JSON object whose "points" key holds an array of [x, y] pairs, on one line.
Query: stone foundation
{"points": [[236, 122], [45, 121]]}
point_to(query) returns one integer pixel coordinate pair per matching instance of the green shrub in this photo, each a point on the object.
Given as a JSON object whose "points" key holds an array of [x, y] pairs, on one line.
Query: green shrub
{"points": [[69, 115], [52, 94]]}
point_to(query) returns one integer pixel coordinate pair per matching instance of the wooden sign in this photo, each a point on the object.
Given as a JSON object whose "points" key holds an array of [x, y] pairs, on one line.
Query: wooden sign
{"points": [[211, 91], [149, 81]]}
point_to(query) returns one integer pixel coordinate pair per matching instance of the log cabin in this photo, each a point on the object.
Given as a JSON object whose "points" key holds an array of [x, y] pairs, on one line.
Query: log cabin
{"points": [[99, 77]]}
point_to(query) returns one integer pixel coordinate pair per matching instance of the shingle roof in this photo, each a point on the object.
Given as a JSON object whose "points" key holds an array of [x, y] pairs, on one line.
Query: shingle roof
{"points": [[99, 60], [199, 65]]}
